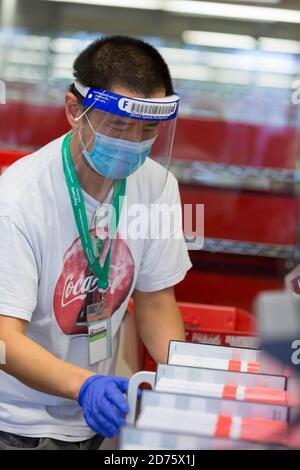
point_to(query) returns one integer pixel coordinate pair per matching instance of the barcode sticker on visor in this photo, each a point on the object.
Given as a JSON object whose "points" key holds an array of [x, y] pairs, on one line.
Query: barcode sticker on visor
{"points": [[160, 109], [141, 108]]}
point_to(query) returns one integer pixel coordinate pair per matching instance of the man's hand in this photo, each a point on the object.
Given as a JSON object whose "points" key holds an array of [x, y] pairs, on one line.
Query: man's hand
{"points": [[158, 321], [104, 406]]}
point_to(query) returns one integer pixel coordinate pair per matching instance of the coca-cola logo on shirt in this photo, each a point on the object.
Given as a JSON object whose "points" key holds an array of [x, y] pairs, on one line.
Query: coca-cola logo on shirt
{"points": [[77, 286]]}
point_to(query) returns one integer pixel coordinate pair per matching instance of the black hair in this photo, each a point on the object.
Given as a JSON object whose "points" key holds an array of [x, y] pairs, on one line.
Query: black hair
{"points": [[122, 61]]}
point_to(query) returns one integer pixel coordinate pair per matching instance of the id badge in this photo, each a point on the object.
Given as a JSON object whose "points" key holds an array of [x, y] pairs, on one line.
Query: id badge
{"points": [[99, 335], [100, 340]]}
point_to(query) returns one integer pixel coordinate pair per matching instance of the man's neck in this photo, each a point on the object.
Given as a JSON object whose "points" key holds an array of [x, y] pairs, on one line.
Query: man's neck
{"points": [[90, 181]]}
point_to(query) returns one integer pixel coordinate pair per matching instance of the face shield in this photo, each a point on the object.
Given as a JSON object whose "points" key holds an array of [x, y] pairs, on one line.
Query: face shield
{"points": [[118, 133]]}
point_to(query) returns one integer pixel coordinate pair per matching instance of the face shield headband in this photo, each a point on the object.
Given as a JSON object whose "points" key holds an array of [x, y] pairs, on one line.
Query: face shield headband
{"points": [[155, 109]]}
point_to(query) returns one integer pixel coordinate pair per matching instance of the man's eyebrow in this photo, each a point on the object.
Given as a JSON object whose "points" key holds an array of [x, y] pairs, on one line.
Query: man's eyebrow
{"points": [[120, 122], [152, 124]]}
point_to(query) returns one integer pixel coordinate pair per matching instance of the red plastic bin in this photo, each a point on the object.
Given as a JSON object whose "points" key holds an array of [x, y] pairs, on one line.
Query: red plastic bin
{"points": [[211, 324]]}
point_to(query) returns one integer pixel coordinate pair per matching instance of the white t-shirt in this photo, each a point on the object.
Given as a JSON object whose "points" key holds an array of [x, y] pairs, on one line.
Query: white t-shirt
{"points": [[45, 280]]}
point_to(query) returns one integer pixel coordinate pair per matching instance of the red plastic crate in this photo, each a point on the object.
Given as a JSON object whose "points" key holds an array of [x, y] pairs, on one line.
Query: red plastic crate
{"points": [[210, 324]]}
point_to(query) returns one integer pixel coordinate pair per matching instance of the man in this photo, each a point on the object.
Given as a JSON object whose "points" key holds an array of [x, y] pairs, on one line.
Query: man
{"points": [[64, 285]]}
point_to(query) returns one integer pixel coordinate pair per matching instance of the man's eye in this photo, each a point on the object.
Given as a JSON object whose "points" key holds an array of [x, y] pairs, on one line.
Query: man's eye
{"points": [[150, 131]]}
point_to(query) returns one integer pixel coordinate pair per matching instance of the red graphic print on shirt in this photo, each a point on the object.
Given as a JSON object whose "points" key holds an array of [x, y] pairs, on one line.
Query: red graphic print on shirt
{"points": [[77, 286]]}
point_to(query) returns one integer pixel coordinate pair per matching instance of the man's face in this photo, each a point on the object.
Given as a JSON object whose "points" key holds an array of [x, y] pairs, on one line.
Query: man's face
{"points": [[117, 126]]}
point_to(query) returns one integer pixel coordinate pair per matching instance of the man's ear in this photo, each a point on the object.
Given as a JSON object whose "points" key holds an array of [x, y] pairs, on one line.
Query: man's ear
{"points": [[73, 110]]}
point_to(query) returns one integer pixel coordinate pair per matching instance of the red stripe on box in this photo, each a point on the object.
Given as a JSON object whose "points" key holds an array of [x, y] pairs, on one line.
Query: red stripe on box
{"points": [[265, 395], [229, 392], [234, 366], [223, 426], [261, 430], [253, 367]]}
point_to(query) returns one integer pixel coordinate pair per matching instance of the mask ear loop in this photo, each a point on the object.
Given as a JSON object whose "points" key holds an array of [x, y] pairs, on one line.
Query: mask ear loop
{"points": [[77, 118], [79, 132], [89, 122], [81, 140]]}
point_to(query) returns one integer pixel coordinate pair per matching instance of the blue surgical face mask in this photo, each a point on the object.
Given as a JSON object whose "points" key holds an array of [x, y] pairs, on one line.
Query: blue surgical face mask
{"points": [[117, 158]]}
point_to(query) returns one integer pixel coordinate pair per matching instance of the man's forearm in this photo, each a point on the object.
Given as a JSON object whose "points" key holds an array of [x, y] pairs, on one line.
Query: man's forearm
{"points": [[41, 370], [157, 332], [158, 321]]}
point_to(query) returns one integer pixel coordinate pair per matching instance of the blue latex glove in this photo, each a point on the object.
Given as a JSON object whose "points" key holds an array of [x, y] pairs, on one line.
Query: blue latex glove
{"points": [[104, 406]]}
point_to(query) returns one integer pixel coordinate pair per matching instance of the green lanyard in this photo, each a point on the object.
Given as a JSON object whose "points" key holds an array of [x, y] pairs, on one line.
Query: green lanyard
{"points": [[81, 218]]}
